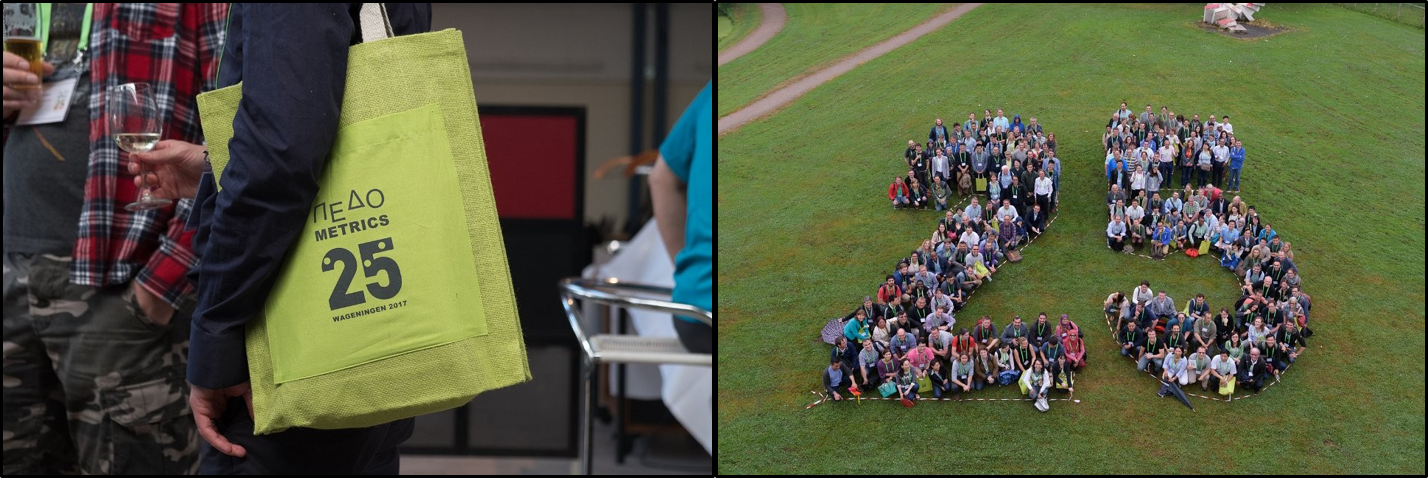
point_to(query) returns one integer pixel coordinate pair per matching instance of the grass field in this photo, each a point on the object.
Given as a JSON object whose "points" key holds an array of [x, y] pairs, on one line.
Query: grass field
{"points": [[746, 17], [815, 35], [1332, 116]]}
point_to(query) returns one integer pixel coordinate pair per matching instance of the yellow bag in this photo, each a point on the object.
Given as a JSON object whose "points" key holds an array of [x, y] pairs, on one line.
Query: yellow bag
{"points": [[406, 200]]}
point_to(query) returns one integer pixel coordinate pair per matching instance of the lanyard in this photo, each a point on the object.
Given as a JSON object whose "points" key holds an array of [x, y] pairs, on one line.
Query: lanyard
{"points": [[44, 25]]}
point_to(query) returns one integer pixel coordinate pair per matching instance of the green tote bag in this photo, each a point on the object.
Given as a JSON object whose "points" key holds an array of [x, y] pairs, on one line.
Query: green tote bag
{"points": [[396, 299]]}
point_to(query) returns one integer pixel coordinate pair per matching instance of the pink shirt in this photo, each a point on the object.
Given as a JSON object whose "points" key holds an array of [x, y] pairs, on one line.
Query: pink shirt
{"points": [[920, 359]]}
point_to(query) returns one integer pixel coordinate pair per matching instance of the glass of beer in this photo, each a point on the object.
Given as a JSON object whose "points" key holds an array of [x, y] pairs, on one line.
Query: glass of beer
{"points": [[22, 38], [133, 117]]}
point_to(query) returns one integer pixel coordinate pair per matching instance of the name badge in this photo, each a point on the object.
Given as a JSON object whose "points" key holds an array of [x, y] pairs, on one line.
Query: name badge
{"points": [[52, 106]]}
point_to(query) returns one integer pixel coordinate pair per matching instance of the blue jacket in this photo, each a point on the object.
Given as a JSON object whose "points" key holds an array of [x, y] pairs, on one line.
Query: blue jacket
{"points": [[855, 331], [1237, 157]]}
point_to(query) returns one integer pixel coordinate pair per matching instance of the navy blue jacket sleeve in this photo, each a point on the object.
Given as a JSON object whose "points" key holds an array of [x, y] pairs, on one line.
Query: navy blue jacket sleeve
{"points": [[292, 59]]}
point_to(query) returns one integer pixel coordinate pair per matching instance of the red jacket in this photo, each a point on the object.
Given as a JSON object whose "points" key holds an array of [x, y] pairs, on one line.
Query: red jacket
{"points": [[887, 292], [894, 187]]}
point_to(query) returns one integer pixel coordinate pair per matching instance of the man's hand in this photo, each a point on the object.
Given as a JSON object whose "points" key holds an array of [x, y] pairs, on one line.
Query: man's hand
{"points": [[209, 405], [155, 308], [17, 72], [836, 396], [174, 168]]}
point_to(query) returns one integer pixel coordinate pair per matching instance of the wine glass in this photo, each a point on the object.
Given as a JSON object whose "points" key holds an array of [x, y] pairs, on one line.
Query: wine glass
{"points": [[134, 123]]}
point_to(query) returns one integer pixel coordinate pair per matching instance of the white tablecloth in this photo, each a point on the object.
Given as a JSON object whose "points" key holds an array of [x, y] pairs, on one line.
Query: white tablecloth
{"points": [[686, 390]]}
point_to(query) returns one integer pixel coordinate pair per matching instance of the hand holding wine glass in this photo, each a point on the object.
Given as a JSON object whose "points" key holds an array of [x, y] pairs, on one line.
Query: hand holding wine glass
{"points": [[135, 124], [174, 168]]}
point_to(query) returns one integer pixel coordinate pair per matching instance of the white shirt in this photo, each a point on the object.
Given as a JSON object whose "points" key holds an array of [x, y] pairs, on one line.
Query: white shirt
{"points": [[1229, 128], [939, 164], [1142, 295], [1222, 153], [1138, 180], [1215, 365], [1167, 154], [1007, 213], [1043, 186], [970, 238]]}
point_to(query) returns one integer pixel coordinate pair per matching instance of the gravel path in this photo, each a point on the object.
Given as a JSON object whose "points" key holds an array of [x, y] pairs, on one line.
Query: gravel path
{"points": [[785, 95]]}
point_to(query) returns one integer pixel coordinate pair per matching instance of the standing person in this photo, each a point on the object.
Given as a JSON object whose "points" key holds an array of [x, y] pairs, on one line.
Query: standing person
{"points": [[97, 306], [280, 144], [1237, 161], [1203, 163], [1222, 156], [938, 135], [1043, 190], [941, 166]]}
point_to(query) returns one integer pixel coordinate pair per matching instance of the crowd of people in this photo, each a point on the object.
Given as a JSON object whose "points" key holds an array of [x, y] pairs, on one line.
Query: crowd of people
{"points": [[915, 351], [1264, 330], [904, 341], [1147, 213], [1256, 338], [1155, 144], [1006, 163]]}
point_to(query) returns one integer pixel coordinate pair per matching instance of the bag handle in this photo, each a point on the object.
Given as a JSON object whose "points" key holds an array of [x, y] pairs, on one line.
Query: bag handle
{"points": [[376, 25]]}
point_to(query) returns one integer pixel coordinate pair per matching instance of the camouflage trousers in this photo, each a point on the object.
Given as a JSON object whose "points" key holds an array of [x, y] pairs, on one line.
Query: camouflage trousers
{"points": [[91, 384]]}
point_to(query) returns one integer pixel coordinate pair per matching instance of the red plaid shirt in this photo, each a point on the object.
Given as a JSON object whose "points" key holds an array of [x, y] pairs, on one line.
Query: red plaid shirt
{"points": [[175, 48]]}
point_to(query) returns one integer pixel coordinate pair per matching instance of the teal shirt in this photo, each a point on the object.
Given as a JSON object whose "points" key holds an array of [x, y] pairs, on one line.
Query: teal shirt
{"points": [[689, 152]]}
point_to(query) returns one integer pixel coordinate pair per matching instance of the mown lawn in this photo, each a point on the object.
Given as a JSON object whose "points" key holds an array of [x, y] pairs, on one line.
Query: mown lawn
{"points": [[1332, 115], [815, 35], [746, 17]]}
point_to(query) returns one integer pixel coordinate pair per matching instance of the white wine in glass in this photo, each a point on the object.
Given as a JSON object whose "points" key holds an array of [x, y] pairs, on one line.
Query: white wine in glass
{"points": [[135, 124], [136, 142]]}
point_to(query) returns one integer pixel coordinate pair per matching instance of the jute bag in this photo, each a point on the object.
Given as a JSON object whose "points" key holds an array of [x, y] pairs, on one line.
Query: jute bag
{"points": [[406, 200]]}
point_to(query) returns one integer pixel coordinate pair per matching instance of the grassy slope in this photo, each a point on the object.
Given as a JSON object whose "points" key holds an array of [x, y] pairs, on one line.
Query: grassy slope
{"points": [[804, 232], [815, 35], [746, 17]]}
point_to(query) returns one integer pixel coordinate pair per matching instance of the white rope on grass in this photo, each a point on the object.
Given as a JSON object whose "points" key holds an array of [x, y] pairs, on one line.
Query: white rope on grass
{"points": [[823, 398]]}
